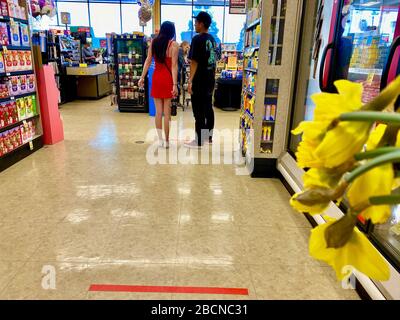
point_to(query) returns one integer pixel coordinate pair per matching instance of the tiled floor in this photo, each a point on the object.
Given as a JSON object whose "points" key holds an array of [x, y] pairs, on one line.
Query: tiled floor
{"points": [[94, 210]]}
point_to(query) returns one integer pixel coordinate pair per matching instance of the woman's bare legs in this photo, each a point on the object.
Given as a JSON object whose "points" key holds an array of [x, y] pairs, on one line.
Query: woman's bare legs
{"points": [[167, 117], [158, 119]]}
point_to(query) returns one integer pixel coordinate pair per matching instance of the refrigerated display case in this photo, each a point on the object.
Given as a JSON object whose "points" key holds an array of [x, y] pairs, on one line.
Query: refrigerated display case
{"points": [[356, 40], [129, 56]]}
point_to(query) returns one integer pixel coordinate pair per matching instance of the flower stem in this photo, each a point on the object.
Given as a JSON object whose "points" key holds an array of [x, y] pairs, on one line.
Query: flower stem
{"points": [[385, 158], [374, 153], [389, 199], [371, 116]]}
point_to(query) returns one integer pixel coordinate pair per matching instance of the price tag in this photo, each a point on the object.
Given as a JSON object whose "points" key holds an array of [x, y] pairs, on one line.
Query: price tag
{"points": [[370, 78], [83, 65], [5, 50], [24, 123], [12, 98], [31, 145], [8, 74]]}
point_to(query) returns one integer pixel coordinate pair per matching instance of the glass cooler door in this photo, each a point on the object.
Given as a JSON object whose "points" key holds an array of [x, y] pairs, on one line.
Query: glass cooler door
{"points": [[365, 36]]}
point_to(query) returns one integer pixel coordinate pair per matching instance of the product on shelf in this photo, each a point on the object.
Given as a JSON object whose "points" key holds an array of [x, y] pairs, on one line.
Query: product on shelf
{"points": [[8, 62], [23, 87], [15, 10], [24, 34], [270, 112], [28, 60], [14, 86], [28, 131], [4, 89], [30, 80], [8, 114], [2, 65], [21, 60], [14, 33], [4, 40], [4, 8], [29, 106]]}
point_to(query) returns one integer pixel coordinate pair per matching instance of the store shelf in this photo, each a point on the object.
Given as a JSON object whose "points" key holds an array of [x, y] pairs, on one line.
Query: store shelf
{"points": [[253, 24], [14, 125], [20, 20], [6, 19], [276, 17], [251, 70], [22, 48], [16, 73], [17, 96], [267, 142], [269, 121], [251, 48], [365, 71], [271, 96], [20, 147]]}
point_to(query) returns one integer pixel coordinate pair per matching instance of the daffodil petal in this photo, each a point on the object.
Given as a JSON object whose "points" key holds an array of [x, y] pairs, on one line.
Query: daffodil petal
{"points": [[375, 182], [376, 136], [320, 178], [314, 209], [342, 143], [358, 252], [377, 214]]}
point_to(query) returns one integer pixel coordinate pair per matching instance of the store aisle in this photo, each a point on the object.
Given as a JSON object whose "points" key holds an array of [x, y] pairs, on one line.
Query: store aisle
{"points": [[94, 211]]}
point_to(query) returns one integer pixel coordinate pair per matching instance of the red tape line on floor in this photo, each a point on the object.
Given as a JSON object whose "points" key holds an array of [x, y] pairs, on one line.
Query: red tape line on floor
{"points": [[166, 289]]}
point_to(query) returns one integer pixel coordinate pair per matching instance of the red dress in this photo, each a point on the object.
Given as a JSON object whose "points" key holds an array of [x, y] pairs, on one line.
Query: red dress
{"points": [[162, 83]]}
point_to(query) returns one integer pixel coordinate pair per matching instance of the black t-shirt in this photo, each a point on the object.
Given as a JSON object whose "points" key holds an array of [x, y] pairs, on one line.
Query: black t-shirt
{"points": [[203, 51]]}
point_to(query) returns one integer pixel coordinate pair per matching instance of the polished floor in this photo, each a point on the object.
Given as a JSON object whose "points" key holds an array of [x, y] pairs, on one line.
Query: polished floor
{"points": [[93, 210]]}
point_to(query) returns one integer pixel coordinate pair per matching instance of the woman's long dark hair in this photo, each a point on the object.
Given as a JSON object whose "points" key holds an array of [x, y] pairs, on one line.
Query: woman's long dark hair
{"points": [[160, 43]]}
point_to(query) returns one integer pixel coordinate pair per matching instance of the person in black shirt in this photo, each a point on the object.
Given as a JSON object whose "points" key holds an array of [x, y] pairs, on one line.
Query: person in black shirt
{"points": [[202, 58]]}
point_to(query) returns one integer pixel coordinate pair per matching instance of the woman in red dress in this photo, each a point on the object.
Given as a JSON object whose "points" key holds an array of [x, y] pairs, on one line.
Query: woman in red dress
{"points": [[165, 51]]}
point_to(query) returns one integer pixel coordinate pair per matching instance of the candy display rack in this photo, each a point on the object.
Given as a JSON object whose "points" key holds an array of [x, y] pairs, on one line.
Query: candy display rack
{"points": [[20, 126], [271, 38]]}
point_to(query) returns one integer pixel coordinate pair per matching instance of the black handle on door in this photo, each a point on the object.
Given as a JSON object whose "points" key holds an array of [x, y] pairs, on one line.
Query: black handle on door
{"points": [[322, 66], [385, 74]]}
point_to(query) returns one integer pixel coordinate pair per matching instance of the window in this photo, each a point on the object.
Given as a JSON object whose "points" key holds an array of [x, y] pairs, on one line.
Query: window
{"points": [[234, 29], [183, 24], [130, 19], [105, 18], [78, 10], [217, 15]]}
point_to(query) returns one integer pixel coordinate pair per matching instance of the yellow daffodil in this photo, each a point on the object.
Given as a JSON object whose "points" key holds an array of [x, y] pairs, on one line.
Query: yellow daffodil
{"points": [[358, 252], [376, 136], [316, 207], [329, 106], [375, 182], [342, 143], [313, 133], [321, 178]]}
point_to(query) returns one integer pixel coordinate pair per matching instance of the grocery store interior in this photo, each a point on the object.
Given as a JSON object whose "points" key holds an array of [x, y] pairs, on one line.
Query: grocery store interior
{"points": [[93, 207]]}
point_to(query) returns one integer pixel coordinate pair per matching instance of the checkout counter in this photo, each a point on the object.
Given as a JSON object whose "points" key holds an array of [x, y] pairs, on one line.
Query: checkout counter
{"points": [[92, 81]]}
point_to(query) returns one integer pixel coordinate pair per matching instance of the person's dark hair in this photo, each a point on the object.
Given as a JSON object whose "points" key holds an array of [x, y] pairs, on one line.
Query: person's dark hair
{"points": [[205, 18], [160, 43]]}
